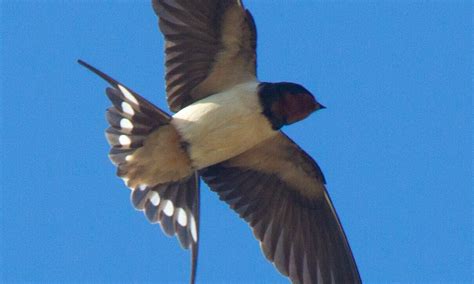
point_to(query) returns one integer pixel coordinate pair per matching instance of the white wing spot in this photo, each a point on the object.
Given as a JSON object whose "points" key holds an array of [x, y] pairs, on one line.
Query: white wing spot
{"points": [[125, 180], [126, 124], [127, 94], [128, 158], [127, 108], [142, 187], [124, 140], [181, 217], [155, 198], [192, 227], [168, 208]]}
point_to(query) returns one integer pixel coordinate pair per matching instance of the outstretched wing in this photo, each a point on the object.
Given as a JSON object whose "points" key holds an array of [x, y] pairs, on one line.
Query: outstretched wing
{"points": [[279, 190], [210, 46]]}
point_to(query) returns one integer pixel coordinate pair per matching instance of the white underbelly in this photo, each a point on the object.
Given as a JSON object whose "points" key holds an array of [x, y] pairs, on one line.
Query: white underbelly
{"points": [[223, 125]]}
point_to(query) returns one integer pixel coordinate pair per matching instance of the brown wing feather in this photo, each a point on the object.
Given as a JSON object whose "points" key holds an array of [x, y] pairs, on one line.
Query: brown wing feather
{"points": [[279, 190], [210, 46]]}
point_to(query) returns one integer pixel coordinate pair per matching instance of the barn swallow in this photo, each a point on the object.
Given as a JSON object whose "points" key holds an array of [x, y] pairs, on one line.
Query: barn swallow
{"points": [[226, 129]]}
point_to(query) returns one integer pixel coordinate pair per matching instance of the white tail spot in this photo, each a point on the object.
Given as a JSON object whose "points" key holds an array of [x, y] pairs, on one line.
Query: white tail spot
{"points": [[168, 208], [192, 228], [127, 94], [125, 180], [155, 198], [128, 158], [127, 108], [181, 217], [124, 140], [126, 124]]}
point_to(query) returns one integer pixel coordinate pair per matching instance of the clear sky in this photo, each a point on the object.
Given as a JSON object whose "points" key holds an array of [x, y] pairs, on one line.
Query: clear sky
{"points": [[395, 141]]}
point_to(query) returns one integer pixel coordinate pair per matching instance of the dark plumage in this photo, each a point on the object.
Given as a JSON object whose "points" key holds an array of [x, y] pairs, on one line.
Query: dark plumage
{"points": [[227, 130]]}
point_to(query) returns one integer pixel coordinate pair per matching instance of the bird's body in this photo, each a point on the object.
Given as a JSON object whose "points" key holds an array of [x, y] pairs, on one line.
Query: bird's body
{"points": [[226, 130], [223, 125]]}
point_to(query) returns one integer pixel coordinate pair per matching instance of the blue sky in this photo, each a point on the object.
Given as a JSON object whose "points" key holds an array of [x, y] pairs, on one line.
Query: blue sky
{"points": [[395, 141]]}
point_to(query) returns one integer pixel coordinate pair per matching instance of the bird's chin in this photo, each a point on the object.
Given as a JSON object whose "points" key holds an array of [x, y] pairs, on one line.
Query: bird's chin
{"points": [[298, 117]]}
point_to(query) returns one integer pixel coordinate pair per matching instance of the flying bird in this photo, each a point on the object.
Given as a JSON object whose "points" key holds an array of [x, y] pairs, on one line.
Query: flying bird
{"points": [[226, 130]]}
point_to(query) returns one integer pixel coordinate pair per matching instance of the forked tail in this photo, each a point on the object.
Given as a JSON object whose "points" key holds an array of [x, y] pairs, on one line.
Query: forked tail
{"points": [[172, 202]]}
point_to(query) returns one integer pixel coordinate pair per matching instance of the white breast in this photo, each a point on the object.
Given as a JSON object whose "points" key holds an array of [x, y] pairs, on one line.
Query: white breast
{"points": [[223, 125]]}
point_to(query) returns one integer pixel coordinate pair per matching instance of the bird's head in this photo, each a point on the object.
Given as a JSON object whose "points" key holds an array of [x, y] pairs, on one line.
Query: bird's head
{"points": [[286, 103]]}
